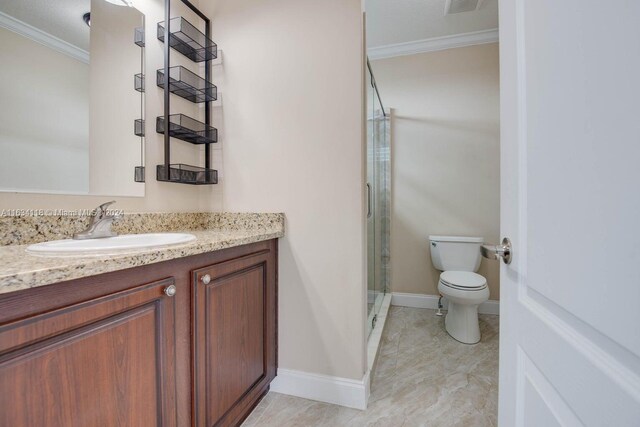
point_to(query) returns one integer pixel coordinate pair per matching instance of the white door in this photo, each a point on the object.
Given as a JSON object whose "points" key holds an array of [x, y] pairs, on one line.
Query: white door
{"points": [[570, 309]]}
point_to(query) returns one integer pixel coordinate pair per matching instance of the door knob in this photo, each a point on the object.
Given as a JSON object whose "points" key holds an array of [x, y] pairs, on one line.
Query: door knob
{"points": [[206, 279], [170, 290], [498, 251]]}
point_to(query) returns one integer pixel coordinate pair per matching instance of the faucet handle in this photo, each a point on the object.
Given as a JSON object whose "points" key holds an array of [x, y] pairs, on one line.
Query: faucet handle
{"points": [[102, 209]]}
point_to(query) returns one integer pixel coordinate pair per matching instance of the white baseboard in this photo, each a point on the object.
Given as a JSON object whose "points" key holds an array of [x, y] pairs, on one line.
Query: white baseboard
{"points": [[323, 388], [431, 301]]}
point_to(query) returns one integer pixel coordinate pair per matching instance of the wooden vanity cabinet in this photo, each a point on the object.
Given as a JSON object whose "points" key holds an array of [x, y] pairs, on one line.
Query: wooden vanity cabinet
{"points": [[187, 342]]}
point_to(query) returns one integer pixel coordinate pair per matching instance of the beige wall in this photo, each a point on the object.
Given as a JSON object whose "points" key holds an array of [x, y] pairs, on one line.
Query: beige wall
{"points": [[159, 196], [292, 142], [446, 158]]}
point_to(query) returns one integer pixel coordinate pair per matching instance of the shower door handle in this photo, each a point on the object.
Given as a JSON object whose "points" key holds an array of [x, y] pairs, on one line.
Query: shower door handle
{"points": [[368, 200]]}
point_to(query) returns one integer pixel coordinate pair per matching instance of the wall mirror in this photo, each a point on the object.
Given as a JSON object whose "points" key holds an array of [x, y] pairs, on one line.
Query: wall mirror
{"points": [[72, 97]]}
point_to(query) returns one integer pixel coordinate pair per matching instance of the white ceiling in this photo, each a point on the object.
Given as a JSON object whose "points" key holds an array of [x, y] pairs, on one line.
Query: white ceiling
{"points": [[60, 18], [388, 21], [401, 21]]}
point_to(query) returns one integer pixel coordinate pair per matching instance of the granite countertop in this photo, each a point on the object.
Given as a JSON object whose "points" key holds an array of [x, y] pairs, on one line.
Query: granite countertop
{"points": [[20, 270]]}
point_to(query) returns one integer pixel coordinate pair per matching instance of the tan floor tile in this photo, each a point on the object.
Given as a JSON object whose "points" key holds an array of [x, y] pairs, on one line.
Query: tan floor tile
{"points": [[422, 377]]}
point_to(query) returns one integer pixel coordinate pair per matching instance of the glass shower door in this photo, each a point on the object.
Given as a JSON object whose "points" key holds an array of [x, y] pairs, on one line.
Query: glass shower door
{"points": [[371, 234], [378, 201]]}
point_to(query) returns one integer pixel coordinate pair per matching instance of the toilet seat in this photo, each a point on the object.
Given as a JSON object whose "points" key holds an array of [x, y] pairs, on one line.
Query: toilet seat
{"points": [[463, 280]]}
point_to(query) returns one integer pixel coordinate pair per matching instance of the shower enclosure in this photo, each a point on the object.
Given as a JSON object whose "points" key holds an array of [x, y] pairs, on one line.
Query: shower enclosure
{"points": [[378, 199]]}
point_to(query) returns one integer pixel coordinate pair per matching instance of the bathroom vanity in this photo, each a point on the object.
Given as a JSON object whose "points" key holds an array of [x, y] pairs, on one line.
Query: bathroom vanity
{"points": [[187, 341]]}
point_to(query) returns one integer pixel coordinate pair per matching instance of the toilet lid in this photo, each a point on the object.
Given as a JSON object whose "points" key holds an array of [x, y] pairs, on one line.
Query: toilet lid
{"points": [[463, 280]]}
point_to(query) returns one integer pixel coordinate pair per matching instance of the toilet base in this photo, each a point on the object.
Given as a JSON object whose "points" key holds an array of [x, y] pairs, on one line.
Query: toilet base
{"points": [[462, 323]]}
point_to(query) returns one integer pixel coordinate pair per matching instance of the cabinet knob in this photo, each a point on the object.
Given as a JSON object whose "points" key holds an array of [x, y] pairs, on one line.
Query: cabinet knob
{"points": [[206, 279], [170, 290]]}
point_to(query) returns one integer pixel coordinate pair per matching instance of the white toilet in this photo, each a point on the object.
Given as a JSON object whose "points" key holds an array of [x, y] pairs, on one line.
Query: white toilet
{"points": [[458, 258]]}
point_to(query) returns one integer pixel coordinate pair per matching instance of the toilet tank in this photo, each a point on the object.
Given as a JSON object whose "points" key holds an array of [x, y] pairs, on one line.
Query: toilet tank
{"points": [[458, 253]]}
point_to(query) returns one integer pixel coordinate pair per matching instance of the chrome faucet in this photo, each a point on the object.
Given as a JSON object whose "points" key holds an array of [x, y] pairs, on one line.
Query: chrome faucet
{"points": [[100, 225]]}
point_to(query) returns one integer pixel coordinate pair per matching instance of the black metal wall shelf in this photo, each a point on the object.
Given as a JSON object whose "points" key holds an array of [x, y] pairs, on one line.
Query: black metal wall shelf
{"points": [[188, 40], [138, 127], [182, 36], [188, 85], [186, 174], [138, 82], [187, 129]]}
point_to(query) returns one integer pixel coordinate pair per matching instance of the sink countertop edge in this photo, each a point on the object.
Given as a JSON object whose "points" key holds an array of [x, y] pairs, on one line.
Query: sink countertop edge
{"points": [[20, 270]]}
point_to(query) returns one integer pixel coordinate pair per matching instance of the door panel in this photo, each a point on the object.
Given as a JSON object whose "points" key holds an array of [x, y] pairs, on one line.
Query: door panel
{"points": [[570, 348], [105, 362], [537, 402], [234, 327], [235, 316], [582, 376], [582, 147]]}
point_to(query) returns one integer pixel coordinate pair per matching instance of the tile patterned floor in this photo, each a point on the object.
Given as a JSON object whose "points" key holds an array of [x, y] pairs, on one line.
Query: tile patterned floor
{"points": [[422, 378]]}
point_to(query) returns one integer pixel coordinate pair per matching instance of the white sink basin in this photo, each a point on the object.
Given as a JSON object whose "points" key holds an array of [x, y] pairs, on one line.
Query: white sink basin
{"points": [[110, 245]]}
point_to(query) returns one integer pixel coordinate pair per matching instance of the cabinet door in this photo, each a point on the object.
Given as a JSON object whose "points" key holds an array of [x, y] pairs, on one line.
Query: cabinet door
{"points": [[235, 337], [104, 362]]}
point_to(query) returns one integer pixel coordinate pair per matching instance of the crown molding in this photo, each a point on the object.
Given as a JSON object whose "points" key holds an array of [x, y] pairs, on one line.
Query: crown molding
{"points": [[46, 39], [433, 44]]}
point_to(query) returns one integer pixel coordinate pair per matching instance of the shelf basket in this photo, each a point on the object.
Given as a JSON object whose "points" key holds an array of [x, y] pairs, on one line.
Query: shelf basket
{"points": [[138, 174], [188, 40], [138, 127], [186, 174], [187, 129], [188, 85], [138, 82], [138, 36]]}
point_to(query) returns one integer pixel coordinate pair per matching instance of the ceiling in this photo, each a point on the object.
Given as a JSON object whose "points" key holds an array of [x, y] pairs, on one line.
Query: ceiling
{"points": [[400, 21], [60, 18], [388, 21]]}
